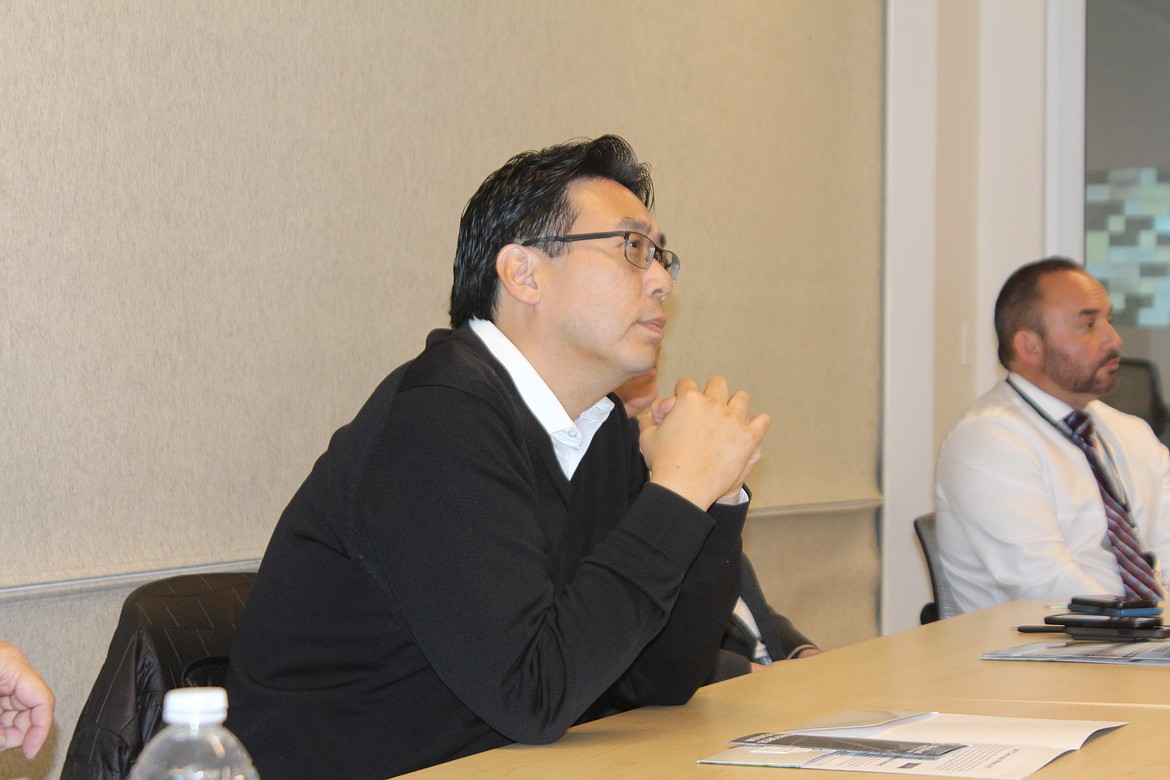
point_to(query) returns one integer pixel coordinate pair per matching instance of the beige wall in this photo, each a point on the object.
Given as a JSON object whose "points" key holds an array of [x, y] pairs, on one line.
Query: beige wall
{"points": [[222, 223], [984, 173], [958, 325]]}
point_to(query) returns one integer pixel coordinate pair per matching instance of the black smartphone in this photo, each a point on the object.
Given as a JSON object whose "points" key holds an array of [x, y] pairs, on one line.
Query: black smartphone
{"points": [[1088, 619], [1117, 606], [1111, 601], [1102, 634]]}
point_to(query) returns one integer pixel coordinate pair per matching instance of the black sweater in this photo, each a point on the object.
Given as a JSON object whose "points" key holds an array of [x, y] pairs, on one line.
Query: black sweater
{"points": [[437, 587]]}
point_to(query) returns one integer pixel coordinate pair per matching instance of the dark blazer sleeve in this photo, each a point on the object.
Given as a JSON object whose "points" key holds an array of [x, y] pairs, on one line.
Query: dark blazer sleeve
{"points": [[780, 636]]}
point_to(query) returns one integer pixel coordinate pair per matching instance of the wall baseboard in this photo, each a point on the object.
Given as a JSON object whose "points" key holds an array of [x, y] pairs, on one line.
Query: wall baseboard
{"points": [[790, 510], [133, 578]]}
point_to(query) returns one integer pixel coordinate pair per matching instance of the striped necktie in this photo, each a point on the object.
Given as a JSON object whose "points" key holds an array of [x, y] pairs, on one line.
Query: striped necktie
{"points": [[1137, 575]]}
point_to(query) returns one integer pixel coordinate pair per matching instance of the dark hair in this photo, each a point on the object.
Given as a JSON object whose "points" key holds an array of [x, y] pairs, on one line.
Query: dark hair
{"points": [[1018, 305], [524, 199]]}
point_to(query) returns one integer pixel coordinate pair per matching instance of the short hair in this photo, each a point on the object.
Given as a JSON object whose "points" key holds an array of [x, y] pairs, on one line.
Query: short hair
{"points": [[1018, 305], [525, 199]]}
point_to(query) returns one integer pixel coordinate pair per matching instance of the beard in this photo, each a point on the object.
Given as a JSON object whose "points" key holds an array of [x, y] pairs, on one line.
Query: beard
{"points": [[1074, 378]]}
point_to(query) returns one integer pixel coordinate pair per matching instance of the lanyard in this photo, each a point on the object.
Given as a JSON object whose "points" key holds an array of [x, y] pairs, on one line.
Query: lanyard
{"points": [[1114, 473]]}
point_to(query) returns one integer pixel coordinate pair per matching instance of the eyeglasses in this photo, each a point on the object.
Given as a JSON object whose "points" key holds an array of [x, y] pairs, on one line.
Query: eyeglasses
{"points": [[638, 248]]}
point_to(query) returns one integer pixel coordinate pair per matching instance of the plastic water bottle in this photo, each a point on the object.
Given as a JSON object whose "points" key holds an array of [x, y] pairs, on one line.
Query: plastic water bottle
{"points": [[194, 745]]}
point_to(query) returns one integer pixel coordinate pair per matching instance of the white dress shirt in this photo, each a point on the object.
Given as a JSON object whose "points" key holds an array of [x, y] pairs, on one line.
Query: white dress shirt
{"points": [[570, 438], [1020, 514]]}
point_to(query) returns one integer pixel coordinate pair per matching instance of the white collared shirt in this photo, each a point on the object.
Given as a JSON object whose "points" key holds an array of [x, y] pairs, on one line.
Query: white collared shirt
{"points": [[1057, 410], [570, 438], [1052, 406], [1020, 514]]}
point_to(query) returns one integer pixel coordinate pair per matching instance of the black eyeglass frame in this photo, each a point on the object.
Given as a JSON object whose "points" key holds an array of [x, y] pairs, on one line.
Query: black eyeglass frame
{"points": [[665, 257]]}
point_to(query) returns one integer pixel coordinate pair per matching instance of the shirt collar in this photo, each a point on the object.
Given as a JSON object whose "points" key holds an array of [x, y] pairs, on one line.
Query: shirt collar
{"points": [[1052, 406], [535, 392]]}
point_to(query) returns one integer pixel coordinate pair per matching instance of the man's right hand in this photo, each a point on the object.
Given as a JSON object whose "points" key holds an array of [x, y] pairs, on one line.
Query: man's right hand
{"points": [[702, 444], [26, 703]]}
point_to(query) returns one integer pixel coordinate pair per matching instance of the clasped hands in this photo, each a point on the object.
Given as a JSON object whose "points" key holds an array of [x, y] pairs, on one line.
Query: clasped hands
{"points": [[702, 444]]}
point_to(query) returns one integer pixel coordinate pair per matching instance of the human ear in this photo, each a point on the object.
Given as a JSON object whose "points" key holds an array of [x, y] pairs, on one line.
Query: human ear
{"points": [[1028, 347], [516, 268]]}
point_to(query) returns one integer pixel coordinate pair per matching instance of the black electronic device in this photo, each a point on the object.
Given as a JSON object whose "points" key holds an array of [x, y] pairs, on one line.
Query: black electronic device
{"points": [[1103, 634], [1090, 620], [1111, 601], [1115, 606]]}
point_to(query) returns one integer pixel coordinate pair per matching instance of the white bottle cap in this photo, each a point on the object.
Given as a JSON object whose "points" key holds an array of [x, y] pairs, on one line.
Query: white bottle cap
{"points": [[195, 705]]}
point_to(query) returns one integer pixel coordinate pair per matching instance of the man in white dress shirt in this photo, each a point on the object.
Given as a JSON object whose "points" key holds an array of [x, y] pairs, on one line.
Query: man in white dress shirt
{"points": [[1020, 513]]}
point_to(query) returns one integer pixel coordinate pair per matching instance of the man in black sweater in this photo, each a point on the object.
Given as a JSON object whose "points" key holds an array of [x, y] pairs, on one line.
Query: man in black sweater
{"points": [[490, 552]]}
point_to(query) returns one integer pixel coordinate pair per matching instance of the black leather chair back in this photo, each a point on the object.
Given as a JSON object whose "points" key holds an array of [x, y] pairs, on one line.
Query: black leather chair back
{"points": [[1139, 392], [173, 633]]}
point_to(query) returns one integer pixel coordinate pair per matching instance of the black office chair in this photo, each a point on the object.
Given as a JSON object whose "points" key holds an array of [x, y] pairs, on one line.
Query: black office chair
{"points": [[1139, 392], [173, 633], [944, 604]]}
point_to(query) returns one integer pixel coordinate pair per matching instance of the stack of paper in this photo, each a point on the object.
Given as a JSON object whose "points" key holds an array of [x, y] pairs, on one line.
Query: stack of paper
{"points": [[917, 743], [1156, 653]]}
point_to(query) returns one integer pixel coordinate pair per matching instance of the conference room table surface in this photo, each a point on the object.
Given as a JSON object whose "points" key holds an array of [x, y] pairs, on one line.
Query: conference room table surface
{"points": [[931, 668]]}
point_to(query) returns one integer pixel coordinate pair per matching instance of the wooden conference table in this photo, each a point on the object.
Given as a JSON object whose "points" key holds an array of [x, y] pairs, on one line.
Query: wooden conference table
{"points": [[927, 668]]}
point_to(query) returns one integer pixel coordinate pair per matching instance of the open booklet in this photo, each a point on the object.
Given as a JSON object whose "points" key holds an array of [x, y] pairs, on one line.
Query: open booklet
{"points": [[1152, 653], [917, 743]]}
